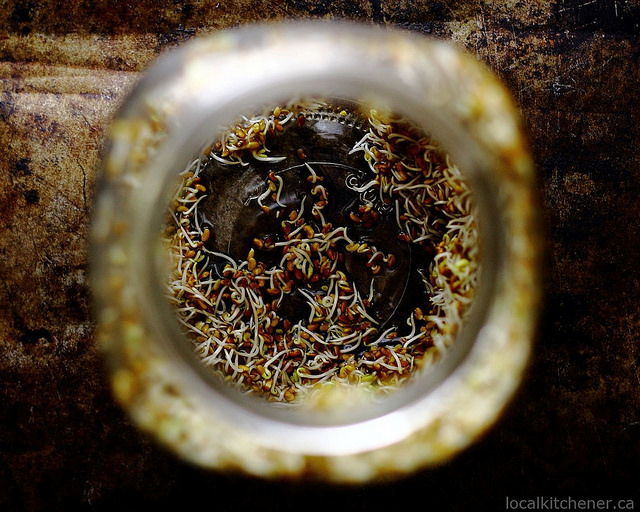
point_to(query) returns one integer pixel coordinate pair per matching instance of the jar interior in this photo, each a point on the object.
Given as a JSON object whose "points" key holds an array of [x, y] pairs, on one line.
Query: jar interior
{"points": [[323, 254]]}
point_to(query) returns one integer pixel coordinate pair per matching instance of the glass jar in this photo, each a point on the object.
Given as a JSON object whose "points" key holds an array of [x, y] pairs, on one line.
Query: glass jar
{"points": [[168, 119]]}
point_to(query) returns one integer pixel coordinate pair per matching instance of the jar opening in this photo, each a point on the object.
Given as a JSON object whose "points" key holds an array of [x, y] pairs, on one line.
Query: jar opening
{"points": [[323, 252]]}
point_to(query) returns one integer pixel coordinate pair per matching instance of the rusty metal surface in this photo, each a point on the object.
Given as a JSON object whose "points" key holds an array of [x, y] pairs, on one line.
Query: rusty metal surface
{"points": [[574, 429]]}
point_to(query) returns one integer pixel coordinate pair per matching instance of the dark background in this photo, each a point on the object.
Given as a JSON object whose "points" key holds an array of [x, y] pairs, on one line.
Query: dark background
{"points": [[574, 427]]}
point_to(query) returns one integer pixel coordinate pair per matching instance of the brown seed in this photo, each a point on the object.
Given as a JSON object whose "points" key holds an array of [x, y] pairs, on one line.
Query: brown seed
{"points": [[308, 231], [391, 261], [288, 287]]}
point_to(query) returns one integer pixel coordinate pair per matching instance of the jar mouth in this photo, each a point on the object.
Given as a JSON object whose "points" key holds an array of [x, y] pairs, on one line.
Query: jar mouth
{"points": [[170, 118], [343, 407]]}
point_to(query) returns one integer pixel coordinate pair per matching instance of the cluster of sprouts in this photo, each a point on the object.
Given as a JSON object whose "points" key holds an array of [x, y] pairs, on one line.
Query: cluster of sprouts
{"points": [[432, 207], [249, 137], [234, 311]]}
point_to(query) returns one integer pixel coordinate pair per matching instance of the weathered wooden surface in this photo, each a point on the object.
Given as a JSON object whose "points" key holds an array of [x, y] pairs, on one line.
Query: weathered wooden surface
{"points": [[574, 429]]}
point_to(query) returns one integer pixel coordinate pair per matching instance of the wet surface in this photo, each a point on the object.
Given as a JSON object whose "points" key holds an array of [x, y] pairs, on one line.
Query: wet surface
{"points": [[573, 67]]}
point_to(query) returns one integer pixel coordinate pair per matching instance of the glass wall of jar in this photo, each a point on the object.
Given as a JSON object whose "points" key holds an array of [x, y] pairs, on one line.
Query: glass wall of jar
{"points": [[315, 251]]}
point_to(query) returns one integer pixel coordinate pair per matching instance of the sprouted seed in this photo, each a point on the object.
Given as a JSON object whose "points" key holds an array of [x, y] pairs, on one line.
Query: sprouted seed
{"points": [[357, 271]]}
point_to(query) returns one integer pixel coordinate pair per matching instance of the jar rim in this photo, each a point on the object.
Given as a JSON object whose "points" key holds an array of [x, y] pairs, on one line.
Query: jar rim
{"points": [[440, 88]]}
